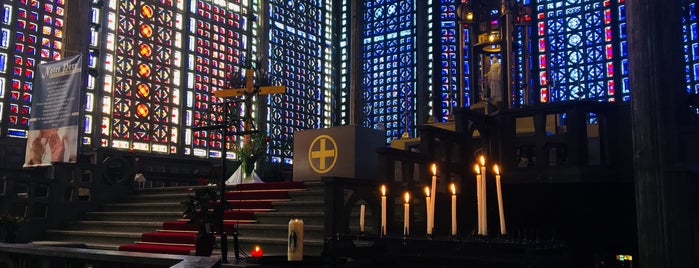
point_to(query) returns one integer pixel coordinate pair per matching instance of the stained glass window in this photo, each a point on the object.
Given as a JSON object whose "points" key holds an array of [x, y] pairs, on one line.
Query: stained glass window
{"points": [[343, 99], [216, 51], [581, 50], [31, 32], [299, 49], [449, 60], [691, 48], [388, 66], [143, 92]]}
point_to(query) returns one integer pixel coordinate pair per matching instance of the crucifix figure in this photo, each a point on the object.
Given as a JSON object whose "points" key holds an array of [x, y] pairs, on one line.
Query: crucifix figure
{"points": [[250, 89]]}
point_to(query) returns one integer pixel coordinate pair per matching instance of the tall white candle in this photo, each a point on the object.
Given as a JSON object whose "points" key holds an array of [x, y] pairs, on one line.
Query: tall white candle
{"points": [[362, 210], [503, 230], [429, 211], [383, 210], [484, 191], [295, 245], [479, 203], [433, 196], [406, 213], [453, 209]]}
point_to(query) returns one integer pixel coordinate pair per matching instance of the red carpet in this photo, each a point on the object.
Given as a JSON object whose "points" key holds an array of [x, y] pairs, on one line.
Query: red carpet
{"points": [[178, 236]]}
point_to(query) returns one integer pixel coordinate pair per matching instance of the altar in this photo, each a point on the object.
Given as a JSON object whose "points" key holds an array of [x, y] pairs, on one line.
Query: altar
{"points": [[343, 151]]}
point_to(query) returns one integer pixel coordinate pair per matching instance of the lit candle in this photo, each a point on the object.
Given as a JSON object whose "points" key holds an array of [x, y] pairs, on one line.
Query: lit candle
{"points": [[362, 209], [383, 210], [479, 203], [406, 213], [295, 246], [433, 195], [503, 230], [257, 252], [484, 191], [453, 209], [429, 211]]}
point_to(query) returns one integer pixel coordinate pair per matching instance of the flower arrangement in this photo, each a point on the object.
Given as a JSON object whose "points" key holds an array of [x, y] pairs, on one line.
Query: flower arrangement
{"points": [[202, 207], [254, 147]]}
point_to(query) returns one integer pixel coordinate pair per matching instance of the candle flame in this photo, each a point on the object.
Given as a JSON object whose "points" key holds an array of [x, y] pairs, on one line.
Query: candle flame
{"points": [[383, 190], [482, 160], [496, 169], [477, 169], [453, 189], [427, 191], [257, 248], [407, 197], [434, 169]]}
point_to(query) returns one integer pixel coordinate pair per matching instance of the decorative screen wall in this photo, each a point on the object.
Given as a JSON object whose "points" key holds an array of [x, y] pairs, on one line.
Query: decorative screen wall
{"points": [[300, 37], [449, 46], [142, 89], [691, 49], [582, 50], [162, 62], [31, 32], [217, 48], [388, 66]]}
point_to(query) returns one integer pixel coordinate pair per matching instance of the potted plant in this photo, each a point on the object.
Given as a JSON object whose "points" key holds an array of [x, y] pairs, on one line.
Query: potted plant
{"points": [[8, 228], [202, 208]]}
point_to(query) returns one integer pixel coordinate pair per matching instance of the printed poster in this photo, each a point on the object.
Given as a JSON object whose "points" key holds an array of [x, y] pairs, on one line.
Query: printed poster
{"points": [[53, 124]]}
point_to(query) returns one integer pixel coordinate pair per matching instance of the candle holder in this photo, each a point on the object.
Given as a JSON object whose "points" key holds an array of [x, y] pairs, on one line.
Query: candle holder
{"points": [[428, 236]]}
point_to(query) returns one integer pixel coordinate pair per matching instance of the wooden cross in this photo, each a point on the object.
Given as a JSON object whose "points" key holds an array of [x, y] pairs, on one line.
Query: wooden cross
{"points": [[248, 91]]}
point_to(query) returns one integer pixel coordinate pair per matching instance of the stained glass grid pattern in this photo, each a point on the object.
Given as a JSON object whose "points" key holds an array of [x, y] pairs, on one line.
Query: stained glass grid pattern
{"points": [[300, 48], [31, 32], [144, 97], [217, 49], [388, 65], [449, 45], [344, 92], [577, 49], [691, 48]]}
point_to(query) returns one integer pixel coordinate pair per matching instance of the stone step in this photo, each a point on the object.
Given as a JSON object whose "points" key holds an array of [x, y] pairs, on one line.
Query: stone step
{"points": [[113, 226], [91, 237], [133, 216], [144, 207], [307, 196], [309, 218], [156, 198], [304, 205]]}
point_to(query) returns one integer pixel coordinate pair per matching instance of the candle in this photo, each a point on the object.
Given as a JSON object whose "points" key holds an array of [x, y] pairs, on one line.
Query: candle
{"points": [[453, 209], [484, 192], [362, 209], [479, 203], [295, 245], [406, 214], [256, 252], [383, 210], [429, 211], [501, 211], [433, 195]]}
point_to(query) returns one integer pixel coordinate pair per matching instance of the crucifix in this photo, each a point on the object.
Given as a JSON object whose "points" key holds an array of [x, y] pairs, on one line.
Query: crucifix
{"points": [[247, 91]]}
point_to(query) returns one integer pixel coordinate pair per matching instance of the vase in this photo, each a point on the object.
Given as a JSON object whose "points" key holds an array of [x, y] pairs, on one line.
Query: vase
{"points": [[204, 244]]}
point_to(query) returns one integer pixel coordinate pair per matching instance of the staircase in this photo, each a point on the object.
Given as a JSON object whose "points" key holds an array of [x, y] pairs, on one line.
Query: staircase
{"points": [[150, 220]]}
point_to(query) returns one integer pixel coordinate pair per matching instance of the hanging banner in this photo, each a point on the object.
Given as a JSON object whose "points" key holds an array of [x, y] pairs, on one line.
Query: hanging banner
{"points": [[53, 125]]}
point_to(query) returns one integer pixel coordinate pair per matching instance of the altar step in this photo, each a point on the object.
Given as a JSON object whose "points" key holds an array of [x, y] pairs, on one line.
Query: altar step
{"points": [[262, 216]]}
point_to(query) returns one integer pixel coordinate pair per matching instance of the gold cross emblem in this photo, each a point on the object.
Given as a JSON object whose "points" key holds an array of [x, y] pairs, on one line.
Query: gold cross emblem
{"points": [[319, 155]]}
